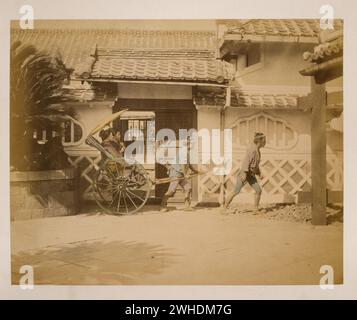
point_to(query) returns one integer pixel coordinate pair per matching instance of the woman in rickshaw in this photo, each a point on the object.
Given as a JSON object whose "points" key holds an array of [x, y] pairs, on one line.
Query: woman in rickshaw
{"points": [[118, 187], [118, 141], [111, 144]]}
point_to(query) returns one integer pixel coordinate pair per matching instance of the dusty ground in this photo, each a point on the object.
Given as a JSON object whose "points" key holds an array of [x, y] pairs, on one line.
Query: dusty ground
{"points": [[200, 247], [290, 212]]}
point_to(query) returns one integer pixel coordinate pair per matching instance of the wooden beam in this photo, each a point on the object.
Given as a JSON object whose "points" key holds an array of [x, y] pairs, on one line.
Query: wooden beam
{"points": [[325, 71], [231, 48], [304, 103], [222, 195], [318, 152], [203, 84], [334, 98], [334, 101]]}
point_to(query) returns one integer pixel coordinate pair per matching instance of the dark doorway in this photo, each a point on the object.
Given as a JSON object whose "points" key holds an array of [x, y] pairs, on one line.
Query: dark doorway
{"points": [[172, 114]]}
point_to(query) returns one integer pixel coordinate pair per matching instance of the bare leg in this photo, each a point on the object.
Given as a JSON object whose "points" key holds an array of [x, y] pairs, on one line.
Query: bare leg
{"points": [[238, 187], [187, 202], [186, 186], [188, 198], [236, 191], [170, 193], [188, 205], [258, 192], [229, 200], [225, 208], [256, 201], [164, 200]]}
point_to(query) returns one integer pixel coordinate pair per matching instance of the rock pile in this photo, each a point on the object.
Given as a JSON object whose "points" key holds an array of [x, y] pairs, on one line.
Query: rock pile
{"points": [[291, 212]]}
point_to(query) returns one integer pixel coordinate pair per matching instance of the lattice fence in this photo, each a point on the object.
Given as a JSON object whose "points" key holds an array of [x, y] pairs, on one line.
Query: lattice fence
{"points": [[284, 174], [86, 162]]}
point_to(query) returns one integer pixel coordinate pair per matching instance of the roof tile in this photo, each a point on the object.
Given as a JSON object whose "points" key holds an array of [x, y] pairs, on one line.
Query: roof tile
{"points": [[280, 27], [243, 98], [205, 70], [325, 51], [76, 45]]}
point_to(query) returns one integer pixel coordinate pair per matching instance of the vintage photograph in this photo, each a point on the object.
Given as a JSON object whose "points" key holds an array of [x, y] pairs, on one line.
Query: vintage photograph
{"points": [[176, 152]]}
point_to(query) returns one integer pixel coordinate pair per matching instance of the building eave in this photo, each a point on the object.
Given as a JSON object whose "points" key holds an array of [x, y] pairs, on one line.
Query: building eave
{"points": [[242, 38], [311, 71], [184, 83]]}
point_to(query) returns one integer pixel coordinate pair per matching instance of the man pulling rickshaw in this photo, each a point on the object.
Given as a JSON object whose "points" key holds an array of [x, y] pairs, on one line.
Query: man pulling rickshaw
{"points": [[120, 187], [180, 176]]}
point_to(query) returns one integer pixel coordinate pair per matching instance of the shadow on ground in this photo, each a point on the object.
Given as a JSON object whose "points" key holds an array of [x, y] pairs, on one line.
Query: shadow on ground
{"points": [[100, 263], [334, 213], [90, 208]]}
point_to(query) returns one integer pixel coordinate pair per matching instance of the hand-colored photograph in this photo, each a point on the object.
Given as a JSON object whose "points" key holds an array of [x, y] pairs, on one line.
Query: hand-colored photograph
{"points": [[176, 152]]}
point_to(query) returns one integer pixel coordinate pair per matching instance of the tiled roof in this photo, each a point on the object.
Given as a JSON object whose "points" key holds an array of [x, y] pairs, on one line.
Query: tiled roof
{"points": [[242, 98], [325, 51], [155, 53], [76, 45], [265, 100], [80, 92], [279, 27], [206, 97], [206, 70], [326, 58]]}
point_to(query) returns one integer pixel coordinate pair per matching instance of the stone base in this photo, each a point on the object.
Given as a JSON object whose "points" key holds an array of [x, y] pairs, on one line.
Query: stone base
{"points": [[332, 197], [40, 194]]}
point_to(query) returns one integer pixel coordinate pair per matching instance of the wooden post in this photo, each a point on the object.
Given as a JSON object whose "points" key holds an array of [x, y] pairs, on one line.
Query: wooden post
{"points": [[318, 152], [221, 199], [222, 124]]}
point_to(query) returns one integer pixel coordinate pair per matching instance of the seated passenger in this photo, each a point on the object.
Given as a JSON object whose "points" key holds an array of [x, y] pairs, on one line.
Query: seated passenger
{"points": [[108, 143], [117, 141]]}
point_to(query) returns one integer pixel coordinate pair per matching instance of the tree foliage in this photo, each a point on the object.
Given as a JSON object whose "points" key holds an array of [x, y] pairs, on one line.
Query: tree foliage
{"points": [[36, 102]]}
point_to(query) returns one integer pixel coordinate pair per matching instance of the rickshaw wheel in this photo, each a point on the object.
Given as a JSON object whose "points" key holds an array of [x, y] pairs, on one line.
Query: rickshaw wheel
{"points": [[120, 188]]}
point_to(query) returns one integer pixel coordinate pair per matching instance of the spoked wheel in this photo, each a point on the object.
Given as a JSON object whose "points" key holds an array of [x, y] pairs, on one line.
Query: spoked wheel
{"points": [[120, 188]]}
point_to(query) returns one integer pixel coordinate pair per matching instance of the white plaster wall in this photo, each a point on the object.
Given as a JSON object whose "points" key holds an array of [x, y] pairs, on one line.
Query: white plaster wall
{"points": [[90, 115], [298, 120], [280, 67], [207, 119]]}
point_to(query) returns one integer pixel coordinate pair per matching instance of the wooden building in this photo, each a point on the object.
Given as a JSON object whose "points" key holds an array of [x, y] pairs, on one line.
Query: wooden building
{"points": [[268, 56], [154, 74], [242, 74]]}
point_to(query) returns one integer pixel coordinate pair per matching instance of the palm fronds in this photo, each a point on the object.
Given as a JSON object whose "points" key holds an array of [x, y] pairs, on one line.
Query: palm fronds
{"points": [[36, 92]]}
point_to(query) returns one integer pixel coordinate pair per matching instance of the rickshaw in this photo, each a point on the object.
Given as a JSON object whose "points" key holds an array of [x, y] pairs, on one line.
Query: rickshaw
{"points": [[120, 187]]}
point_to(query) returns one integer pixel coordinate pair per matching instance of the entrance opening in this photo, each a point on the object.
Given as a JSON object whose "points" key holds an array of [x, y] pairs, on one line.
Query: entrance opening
{"points": [[171, 114]]}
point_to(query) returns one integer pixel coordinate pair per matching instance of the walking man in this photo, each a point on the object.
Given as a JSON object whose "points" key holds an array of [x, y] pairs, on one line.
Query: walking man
{"points": [[179, 174], [249, 171]]}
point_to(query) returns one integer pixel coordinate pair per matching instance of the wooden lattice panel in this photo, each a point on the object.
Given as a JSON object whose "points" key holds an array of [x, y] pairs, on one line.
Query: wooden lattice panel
{"points": [[282, 135], [87, 166], [283, 174]]}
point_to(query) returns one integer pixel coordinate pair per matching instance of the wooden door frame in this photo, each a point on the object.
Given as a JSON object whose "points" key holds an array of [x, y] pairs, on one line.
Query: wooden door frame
{"points": [[162, 105]]}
